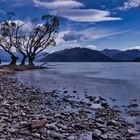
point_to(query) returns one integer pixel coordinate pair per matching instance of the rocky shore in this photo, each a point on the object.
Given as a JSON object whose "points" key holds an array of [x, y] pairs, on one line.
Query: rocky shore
{"points": [[27, 113]]}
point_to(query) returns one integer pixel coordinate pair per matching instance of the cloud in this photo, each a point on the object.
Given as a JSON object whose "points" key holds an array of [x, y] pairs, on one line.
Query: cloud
{"points": [[59, 39], [16, 3], [88, 15], [130, 4], [93, 47], [71, 10], [133, 48], [72, 36], [98, 33], [58, 4], [90, 34], [27, 25]]}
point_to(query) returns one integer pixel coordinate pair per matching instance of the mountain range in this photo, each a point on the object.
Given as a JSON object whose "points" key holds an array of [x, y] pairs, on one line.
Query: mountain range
{"points": [[83, 55], [77, 55], [117, 55], [88, 55]]}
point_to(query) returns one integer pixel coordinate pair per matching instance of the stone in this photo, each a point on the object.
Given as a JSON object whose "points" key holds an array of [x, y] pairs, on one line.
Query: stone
{"points": [[86, 136], [130, 132], [11, 130], [99, 120], [133, 105], [38, 124], [72, 138], [51, 126], [36, 135], [104, 104], [23, 114], [135, 138], [62, 126], [96, 133], [104, 136], [56, 135]]}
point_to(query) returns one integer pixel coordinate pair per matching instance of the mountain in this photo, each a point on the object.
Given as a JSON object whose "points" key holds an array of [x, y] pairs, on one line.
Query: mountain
{"points": [[5, 57], [82, 55], [41, 56], [128, 55], [137, 60], [111, 52], [77, 55]]}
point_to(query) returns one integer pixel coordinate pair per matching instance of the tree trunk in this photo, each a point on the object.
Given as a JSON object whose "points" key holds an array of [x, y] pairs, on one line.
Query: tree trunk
{"points": [[13, 60], [23, 60], [31, 61]]}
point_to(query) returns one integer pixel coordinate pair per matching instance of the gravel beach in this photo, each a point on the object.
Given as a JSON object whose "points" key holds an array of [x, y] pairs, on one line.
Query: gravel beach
{"points": [[27, 113]]}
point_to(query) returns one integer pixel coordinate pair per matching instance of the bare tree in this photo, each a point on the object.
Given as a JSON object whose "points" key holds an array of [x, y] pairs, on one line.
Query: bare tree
{"points": [[6, 40], [28, 43], [6, 37], [42, 36]]}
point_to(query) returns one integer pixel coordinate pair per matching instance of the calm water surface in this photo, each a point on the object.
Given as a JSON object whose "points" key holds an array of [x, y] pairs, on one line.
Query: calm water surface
{"points": [[117, 80]]}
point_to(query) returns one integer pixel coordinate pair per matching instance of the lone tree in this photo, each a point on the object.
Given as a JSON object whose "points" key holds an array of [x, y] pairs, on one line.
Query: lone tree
{"points": [[13, 37]]}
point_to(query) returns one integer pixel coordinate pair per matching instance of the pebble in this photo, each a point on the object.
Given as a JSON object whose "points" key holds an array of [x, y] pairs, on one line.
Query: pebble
{"points": [[28, 113]]}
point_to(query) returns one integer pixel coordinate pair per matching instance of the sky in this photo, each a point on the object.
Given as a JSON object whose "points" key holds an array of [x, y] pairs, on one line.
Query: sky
{"points": [[95, 24]]}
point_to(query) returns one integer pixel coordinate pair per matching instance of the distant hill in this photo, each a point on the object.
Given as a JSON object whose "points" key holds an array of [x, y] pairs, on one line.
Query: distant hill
{"points": [[137, 60], [77, 55], [5, 57], [128, 55], [82, 55], [111, 52], [41, 56]]}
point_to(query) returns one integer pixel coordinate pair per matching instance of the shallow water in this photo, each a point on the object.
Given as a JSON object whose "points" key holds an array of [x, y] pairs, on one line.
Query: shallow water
{"points": [[117, 80]]}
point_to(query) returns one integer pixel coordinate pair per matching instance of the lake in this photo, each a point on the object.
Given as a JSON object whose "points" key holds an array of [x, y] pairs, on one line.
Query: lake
{"points": [[117, 80], [120, 81]]}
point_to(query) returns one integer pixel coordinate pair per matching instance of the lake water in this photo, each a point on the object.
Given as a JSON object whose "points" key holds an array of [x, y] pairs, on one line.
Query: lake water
{"points": [[119, 81]]}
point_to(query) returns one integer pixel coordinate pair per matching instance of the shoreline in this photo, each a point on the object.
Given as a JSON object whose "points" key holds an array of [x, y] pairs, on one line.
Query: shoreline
{"points": [[28, 113]]}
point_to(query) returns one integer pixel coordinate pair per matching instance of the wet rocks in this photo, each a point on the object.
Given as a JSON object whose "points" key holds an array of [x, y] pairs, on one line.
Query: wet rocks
{"points": [[91, 98], [104, 104], [27, 113], [36, 124], [96, 134], [133, 113], [133, 105]]}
